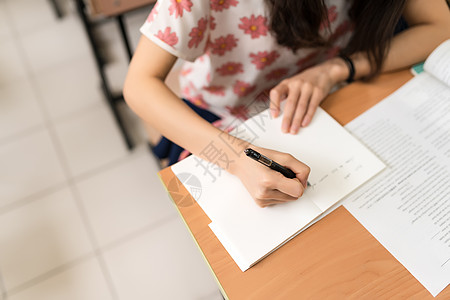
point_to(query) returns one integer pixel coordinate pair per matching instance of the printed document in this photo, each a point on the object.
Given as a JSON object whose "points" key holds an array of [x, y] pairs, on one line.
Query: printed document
{"points": [[407, 206]]}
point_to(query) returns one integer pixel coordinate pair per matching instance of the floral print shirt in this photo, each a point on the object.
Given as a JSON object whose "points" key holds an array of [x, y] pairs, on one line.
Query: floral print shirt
{"points": [[230, 54]]}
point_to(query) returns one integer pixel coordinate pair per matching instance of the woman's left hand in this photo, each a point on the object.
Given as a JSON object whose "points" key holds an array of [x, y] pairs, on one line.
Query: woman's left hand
{"points": [[304, 92]]}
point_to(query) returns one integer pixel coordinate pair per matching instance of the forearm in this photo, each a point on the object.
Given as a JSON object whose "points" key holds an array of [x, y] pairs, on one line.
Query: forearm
{"points": [[157, 105], [429, 22], [414, 45], [148, 96], [404, 50]]}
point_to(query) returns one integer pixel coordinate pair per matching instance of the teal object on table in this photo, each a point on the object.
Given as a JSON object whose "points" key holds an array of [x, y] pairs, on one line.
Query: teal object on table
{"points": [[417, 68]]}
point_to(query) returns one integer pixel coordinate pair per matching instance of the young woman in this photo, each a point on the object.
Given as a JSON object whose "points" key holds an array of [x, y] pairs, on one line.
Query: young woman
{"points": [[296, 49]]}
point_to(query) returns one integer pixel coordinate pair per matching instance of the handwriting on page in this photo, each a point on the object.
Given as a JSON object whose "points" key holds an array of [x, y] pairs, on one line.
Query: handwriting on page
{"points": [[343, 171]]}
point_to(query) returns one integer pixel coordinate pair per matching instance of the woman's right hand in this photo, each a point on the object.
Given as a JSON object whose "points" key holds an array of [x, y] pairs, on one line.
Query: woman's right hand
{"points": [[268, 187]]}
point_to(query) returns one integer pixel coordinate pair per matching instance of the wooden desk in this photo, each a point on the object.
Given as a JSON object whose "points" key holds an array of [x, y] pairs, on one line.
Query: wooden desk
{"points": [[337, 258], [112, 8]]}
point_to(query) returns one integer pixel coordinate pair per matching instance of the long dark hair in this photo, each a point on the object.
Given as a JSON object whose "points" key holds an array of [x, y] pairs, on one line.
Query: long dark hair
{"points": [[296, 23]]}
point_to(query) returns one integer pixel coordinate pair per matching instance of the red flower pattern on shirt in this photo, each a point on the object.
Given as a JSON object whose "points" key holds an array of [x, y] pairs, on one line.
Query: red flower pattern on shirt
{"points": [[229, 63], [254, 26], [178, 6], [242, 88], [263, 59], [217, 123], [332, 52], [170, 38], [186, 92], [277, 74], [239, 111], [198, 101], [185, 71], [223, 44], [342, 29], [215, 90], [219, 5], [197, 33], [153, 13], [212, 23], [332, 16], [230, 68]]}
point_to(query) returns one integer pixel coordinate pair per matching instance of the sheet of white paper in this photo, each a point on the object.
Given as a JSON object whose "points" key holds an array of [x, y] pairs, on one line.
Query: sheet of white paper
{"points": [[438, 63], [339, 164], [407, 206]]}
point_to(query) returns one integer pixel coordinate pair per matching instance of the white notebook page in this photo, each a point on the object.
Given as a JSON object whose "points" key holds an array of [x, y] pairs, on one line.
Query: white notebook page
{"points": [[339, 164]]}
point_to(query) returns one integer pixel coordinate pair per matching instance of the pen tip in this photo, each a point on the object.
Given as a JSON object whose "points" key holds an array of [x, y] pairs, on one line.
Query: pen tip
{"points": [[246, 151]]}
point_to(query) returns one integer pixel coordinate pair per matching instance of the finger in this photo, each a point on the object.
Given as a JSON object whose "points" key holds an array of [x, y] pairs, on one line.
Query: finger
{"points": [[266, 203], [316, 98], [273, 180], [276, 95], [301, 108], [299, 168], [292, 187], [276, 195], [289, 109]]}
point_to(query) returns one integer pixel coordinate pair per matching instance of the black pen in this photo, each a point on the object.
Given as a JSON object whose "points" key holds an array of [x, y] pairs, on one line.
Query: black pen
{"points": [[270, 163]]}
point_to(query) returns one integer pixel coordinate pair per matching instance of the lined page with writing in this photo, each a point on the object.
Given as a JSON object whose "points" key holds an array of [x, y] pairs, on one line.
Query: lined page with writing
{"points": [[338, 162], [407, 206]]}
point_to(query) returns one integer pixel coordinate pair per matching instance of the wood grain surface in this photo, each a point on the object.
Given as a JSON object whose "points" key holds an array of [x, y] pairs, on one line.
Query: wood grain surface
{"points": [[112, 8], [337, 258]]}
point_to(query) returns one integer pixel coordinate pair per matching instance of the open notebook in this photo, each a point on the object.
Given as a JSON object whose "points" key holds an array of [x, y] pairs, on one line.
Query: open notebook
{"points": [[339, 164]]}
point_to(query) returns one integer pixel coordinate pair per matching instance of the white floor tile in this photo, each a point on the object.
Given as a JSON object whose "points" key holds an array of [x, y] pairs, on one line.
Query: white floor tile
{"points": [[12, 67], [2, 288], [161, 264], [40, 236], [122, 200], [57, 44], [125, 198], [70, 87], [28, 165], [5, 28], [84, 281], [19, 108], [90, 140], [30, 15]]}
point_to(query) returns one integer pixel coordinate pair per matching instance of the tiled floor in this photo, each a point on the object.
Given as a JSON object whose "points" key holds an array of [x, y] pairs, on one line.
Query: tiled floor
{"points": [[81, 217]]}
